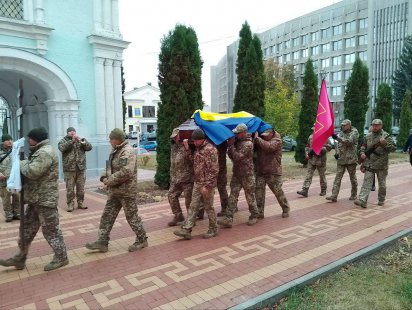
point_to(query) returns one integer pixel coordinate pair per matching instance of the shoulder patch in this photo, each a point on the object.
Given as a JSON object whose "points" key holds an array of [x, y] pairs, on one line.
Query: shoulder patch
{"points": [[123, 161]]}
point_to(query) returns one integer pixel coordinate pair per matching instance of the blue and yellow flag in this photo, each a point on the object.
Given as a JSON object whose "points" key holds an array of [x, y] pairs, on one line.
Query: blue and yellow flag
{"points": [[218, 127]]}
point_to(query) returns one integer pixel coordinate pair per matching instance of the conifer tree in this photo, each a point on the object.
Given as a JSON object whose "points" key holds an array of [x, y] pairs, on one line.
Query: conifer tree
{"points": [[124, 109], [402, 79], [357, 96], [405, 119], [249, 95], [180, 69], [308, 109], [384, 106]]}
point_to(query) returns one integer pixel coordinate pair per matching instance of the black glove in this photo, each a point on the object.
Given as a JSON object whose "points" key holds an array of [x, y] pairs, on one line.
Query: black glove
{"points": [[335, 136]]}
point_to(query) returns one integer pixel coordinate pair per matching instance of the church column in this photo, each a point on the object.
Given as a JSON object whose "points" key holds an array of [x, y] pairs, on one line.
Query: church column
{"points": [[100, 106], [117, 87], [108, 82], [97, 12], [61, 114], [107, 15], [115, 16]]}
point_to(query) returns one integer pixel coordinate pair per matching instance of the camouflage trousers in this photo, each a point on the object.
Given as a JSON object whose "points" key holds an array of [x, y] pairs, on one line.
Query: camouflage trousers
{"points": [[222, 189], [110, 212], [275, 184], [340, 171], [368, 181], [48, 219], [175, 190], [75, 180], [11, 202], [195, 205], [249, 186], [309, 176]]}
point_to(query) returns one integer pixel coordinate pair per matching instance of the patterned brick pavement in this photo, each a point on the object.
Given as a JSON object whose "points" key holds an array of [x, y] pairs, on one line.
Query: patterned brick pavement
{"points": [[238, 265]]}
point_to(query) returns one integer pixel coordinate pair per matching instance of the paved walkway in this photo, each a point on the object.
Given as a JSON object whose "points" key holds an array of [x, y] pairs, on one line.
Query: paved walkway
{"points": [[238, 266]]}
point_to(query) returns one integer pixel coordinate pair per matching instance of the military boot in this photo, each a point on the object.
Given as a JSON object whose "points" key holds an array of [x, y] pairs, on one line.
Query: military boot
{"points": [[381, 202], [9, 218], [212, 232], [332, 198], [360, 203], [322, 192], [70, 207], [252, 221], [285, 212], [101, 246], [178, 219], [303, 192], [18, 261], [80, 205], [185, 233], [225, 222], [16, 216], [55, 263], [138, 245]]}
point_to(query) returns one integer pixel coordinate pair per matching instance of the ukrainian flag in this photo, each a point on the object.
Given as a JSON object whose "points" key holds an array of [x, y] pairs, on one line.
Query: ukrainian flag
{"points": [[218, 127]]}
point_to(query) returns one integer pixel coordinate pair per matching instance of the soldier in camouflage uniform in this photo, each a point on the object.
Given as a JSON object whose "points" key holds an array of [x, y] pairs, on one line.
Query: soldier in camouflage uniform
{"points": [[315, 162], [120, 178], [241, 153], [205, 161], [347, 159], [41, 193], [74, 150], [222, 178], [375, 155], [11, 209], [269, 170], [181, 177]]}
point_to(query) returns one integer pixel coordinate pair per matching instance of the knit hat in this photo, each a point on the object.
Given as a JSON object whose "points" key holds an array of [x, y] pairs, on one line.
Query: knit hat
{"points": [[70, 129], [240, 128], [6, 137], [38, 134], [377, 121], [117, 134], [198, 134]]}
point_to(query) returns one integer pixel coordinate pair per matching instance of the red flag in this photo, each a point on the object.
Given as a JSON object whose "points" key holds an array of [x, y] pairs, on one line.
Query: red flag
{"points": [[324, 121]]}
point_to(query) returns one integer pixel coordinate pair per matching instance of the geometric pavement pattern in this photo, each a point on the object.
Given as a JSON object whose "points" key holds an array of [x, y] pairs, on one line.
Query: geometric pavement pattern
{"points": [[239, 264]]}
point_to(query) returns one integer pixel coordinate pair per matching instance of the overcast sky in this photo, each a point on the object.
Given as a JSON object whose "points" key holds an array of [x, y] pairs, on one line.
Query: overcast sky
{"points": [[216, 22]]}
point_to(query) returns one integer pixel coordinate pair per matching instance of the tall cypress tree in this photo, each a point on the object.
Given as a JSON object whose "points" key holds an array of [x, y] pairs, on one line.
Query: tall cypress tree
{"points": [[384, 105], [180, 70], [357, 96], [123, 101], [405, 119], [250, 89], [402, 79], [308, 109]]}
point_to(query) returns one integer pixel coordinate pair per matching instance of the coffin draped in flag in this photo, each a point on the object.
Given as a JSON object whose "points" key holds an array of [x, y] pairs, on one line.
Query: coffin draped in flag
{"points": [[218, 127], [324, 121]]}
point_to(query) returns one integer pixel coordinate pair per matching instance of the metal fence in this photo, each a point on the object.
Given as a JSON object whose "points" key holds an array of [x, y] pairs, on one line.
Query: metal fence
{"points": [[12, 9]]}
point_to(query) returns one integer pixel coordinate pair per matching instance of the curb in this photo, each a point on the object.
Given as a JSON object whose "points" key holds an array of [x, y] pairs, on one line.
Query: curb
{"points": [[272, 296]]}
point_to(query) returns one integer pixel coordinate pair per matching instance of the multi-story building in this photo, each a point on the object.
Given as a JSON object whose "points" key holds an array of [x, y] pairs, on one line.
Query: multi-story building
{"points": [[373, 30], [64, 60], [141, 109]]}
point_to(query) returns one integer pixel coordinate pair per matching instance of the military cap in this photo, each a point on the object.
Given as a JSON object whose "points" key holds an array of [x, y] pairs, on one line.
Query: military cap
{"points": [[6, 137], [70, 129], [117, 134], [346, 122], [38, 134], [240, 128], [198, 134], [377, 121], [175, 132], [266, 132]]}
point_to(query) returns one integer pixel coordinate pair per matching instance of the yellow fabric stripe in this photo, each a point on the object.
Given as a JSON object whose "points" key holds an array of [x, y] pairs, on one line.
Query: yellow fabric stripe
{"points": [[210, 116]]}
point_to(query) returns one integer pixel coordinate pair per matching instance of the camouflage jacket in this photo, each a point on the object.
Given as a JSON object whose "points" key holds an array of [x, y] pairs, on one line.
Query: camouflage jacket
{"points": [[269, 155], [347, 147], [317, 160], [241, 153], [41, 171], [74, 153], [5, 165], [379, 158], [121, 171], [206, 165], [181, 165]]}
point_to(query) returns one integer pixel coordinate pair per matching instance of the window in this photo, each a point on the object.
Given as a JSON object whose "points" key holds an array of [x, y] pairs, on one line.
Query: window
{"points": [[347, 74], [314, 36], [350, 58], [336, 76], [325, 48], [305, 39], [130, 128], [305, 53], [325, 33], [336, 61], [148, 111], [363, 56], [137, 112], [287, 57], [337, 45], [295, 42], [351, 26], [363, 23], [278, 47], [325, 63], [337, 30], [287, 44], [363, 40], [296, 55], [12, 9], [280, 60], [129, 111], [350, 42], [336, 91], [315, 50]]}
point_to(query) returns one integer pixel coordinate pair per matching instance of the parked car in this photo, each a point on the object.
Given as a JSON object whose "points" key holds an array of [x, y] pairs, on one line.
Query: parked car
{"points": [[141, 151], [133, 135], [289, 144], [149, 145], [395, 130]]}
